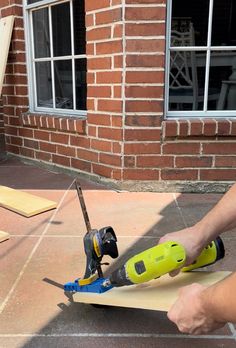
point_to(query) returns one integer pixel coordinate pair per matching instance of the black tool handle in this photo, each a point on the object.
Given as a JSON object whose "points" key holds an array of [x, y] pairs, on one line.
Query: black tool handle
{"points": [[83, 206]]}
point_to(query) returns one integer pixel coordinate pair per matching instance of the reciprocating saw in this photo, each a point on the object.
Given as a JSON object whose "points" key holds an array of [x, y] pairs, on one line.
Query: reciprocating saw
{"points": [[162, 259]]}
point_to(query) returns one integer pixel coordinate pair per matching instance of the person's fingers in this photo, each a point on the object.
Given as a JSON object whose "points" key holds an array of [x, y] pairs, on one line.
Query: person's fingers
{"points": [[174, 272]]}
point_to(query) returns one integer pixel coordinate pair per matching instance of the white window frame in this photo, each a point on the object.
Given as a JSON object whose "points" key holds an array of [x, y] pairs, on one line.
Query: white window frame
{"points": [[30, 59], [208, 48]]}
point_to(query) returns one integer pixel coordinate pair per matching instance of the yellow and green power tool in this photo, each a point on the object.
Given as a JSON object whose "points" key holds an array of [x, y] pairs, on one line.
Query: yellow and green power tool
{"points": [[147, 265], [162, 259]]}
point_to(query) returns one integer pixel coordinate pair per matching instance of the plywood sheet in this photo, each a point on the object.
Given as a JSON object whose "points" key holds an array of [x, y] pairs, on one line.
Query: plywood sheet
{"points": [[6, 26], [158, 294], [4, 236], [24, 203]]}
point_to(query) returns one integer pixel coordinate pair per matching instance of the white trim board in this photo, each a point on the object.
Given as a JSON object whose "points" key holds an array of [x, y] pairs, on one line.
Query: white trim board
{"points": [[6, 27]]}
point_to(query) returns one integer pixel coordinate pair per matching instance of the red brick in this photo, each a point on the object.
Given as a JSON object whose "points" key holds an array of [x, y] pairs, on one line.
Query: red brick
{"points": [[60, 138], [109, 77], [209, 127], [144, 106], [223, 127], [155, 161], [181, 148], [47, 147], [102, 170], [183, 128], [146, 13], [97, 63], [87, 155], [98, 34], [110, 159], [116, 147], [101, 145], [219, 148], [110, 133], [146, 29], [141, 174], [145, 76], [218, 174], [61, 160], [196, 127], [110, 16], [43, 156], [92, 131], [193, 162], [109, 47], [142, 60], [79, 141], [116, 121], [142, 134], [99, 91], [129, 161], [12, 148], [66, 150], [145, 45], [98, 119], [117, 30], [225, 161], [179, 174], [144, 92], [31, 143], [170, 128], [81, 165], [141, 148], [27, 152], [110, 105], [143, 121], [96, 5]]}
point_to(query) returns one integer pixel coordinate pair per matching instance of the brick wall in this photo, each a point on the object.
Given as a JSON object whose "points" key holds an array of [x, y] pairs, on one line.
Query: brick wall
{"points": [[124, 136], [1, 118]]}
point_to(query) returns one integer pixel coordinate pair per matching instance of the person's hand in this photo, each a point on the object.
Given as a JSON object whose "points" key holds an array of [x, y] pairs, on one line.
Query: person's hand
{"points": [[188, 238], [190, 314]]}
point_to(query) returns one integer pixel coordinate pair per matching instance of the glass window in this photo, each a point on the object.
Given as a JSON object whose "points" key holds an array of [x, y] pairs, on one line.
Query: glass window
{"points": [[57, 53], [201, 57]]}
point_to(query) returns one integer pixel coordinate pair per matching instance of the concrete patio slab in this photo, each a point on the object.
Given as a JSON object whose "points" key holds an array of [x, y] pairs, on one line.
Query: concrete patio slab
{"points": [[46, 251]]}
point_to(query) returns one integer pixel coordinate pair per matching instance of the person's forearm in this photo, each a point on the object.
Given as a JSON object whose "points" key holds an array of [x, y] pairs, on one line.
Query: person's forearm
{"points": [[219, 219], [219, 300]]}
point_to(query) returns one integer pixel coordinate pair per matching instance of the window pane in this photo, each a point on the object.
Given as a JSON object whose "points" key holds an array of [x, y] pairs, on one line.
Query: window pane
{"points": [[222, 81], [223, 24], [41, 33], [186, 80], [80, 83], [63, 84], [44, 84], [185, 12], [79, 27], [61, 29]]}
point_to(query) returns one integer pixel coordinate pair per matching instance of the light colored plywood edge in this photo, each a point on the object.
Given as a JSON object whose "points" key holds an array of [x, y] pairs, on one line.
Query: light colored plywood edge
{"points": [[158, 294], [4, 236], [24, 203], [6, 26]]}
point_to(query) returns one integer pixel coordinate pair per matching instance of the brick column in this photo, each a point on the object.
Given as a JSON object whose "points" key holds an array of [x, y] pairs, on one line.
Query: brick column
{"points": [[104, 24], [144, 89]]}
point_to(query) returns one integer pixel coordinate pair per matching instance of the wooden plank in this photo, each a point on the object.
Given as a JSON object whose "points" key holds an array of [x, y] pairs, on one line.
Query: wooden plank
{"points": [[24, 203], [158, 294], [4, 236], [6, 26]]}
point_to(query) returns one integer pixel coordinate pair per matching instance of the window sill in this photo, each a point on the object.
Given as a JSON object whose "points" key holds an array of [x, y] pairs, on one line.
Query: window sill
{"points": [[70, 124], [199, 128]]}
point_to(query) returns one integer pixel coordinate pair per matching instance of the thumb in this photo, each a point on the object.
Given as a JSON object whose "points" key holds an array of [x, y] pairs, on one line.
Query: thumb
{"points": [[174, 272]]}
